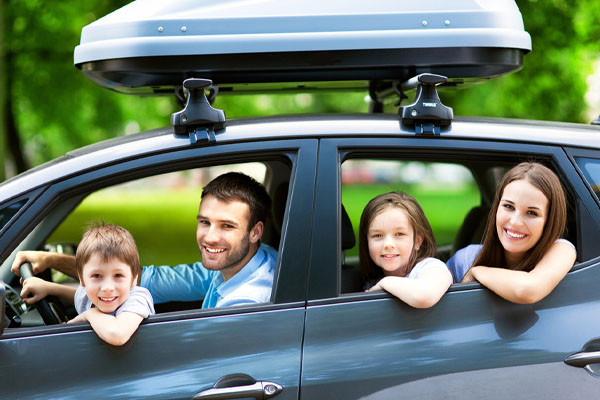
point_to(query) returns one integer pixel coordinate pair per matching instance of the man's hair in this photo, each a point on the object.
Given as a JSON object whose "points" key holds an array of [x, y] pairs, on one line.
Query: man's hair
{"points": [[109, 242], [237, 186]]}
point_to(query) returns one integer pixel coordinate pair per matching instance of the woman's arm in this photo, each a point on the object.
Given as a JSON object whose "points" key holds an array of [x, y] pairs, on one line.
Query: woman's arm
{"points": [[35, 289], [113, 330], [422, 292], [527, 287]]}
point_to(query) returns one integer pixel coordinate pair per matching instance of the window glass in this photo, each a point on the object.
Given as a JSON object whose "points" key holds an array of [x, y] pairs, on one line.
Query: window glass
{"points": [[159, 211], [8, 212], [445, 191], [591, 170]]}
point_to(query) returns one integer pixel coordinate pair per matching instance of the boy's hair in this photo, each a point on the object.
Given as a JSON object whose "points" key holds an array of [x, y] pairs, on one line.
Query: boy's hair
{"points": [[109, 242], [415, 216], [237, 186], [492, 253]]}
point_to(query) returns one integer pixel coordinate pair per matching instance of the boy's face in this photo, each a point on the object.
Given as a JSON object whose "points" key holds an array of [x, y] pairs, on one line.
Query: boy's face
{"points": [[107, 284]]}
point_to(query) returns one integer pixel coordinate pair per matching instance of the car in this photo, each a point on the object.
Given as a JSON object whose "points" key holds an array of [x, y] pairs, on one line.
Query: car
{"points": [[321, 335]]}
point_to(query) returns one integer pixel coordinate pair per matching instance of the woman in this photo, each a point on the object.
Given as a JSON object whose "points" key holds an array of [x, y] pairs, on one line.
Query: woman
{"points": [[523, 257]]}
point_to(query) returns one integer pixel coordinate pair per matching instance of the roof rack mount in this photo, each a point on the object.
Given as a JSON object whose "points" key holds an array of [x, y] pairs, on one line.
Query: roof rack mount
{"points": [[198, 118], [426, 114]]}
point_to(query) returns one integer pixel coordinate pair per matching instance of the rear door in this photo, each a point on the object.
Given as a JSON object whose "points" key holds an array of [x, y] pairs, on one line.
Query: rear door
{"points": [[472, 344]]}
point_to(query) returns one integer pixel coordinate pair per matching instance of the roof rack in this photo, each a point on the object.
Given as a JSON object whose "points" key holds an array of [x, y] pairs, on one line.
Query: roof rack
{"points": [[426, 115], [198, 118]]}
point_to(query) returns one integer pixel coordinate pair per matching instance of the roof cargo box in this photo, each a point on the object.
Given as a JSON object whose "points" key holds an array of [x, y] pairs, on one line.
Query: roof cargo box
{"points": [[151, 46]]}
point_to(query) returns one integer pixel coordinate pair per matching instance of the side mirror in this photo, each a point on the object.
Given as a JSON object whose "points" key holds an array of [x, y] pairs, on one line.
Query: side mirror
{"points": [[2, 309]]}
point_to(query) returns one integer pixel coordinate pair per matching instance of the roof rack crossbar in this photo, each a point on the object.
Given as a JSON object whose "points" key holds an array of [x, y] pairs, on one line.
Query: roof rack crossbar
{"points": [[426, 115]]}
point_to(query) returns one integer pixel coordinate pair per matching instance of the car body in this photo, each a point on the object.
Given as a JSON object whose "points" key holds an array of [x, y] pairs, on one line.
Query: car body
{"points": [[321, 336]]}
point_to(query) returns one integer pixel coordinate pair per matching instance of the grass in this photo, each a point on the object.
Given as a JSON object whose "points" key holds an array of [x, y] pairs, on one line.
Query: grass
{"points": [[164, 223], [445, 207]]}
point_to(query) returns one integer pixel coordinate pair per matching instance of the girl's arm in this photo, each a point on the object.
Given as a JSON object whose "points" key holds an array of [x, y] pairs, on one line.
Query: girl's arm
{"points": [[527, 287], [422, 292], [113, 330], [35, 289]]}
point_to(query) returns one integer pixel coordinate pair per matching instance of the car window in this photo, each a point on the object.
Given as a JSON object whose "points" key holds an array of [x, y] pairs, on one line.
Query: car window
{"points": [[6, 213], [160, 212], [447, 193], [591, 170]]}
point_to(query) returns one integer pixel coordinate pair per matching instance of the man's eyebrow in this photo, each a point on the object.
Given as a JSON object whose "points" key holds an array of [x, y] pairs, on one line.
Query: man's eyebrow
{"points": [[222, 221]]}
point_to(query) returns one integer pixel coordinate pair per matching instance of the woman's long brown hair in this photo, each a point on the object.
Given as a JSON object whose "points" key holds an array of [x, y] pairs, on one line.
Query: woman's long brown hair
{"points": [[492, 253]]}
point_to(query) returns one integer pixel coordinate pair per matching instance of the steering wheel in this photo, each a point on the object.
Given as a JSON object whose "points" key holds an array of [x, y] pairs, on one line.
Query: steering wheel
{"points": [[50, 308]]}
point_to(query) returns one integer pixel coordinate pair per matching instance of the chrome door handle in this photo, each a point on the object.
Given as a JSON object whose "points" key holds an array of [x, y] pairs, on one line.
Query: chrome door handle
{"points": [[239, 386], [583, 359]]}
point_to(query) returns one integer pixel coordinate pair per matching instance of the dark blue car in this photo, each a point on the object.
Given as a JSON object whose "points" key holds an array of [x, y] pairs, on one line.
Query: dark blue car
{"points": [[321, 336]]}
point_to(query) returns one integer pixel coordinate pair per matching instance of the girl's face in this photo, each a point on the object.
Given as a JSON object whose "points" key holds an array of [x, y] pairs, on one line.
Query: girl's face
{"points": [[520, 219], [390, 240]]}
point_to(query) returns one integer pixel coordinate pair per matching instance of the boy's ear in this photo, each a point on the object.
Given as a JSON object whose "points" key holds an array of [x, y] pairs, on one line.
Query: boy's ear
{"points": [[134, 280], [80, 280]]}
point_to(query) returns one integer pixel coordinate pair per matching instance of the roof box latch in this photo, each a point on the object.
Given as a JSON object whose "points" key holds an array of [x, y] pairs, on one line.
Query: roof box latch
{"points": [[427, 114], [198, 118]]}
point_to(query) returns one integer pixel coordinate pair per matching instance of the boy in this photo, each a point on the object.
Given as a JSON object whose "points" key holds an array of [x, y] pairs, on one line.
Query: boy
{"points": [[108, 297]]}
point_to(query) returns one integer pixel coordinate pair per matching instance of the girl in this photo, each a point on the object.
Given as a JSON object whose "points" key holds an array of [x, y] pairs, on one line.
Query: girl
{"points": [[395, 247], [522, 258]]}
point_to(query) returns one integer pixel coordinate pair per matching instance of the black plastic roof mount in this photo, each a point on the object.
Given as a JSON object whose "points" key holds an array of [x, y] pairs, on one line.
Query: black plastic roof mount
{"points": [[198, 118], [427, 114]]}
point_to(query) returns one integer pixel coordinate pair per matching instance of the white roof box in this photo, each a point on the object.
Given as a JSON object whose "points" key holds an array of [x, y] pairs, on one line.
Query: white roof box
{"points": [[151, 46]]}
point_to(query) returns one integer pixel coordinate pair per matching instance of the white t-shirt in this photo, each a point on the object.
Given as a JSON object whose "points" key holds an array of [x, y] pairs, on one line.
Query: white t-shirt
{"points": [[426, 265]]}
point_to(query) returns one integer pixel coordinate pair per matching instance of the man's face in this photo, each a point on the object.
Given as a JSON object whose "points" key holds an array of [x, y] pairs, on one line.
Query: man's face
{"points": [[224, 240]]}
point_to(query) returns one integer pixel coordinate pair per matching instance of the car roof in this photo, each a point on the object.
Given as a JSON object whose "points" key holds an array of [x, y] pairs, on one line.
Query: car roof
{"points": [[151, 46], [296, 127]]}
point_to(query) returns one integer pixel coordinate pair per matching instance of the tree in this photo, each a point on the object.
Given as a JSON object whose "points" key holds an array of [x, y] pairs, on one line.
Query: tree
{"points": [[50, 107]]}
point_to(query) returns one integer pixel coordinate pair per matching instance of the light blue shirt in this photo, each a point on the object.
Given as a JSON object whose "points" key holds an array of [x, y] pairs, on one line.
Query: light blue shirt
{"points": [[192, 282]]}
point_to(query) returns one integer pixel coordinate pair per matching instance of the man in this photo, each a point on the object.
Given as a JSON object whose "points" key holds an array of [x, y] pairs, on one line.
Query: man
{"points": [[235, 269]]}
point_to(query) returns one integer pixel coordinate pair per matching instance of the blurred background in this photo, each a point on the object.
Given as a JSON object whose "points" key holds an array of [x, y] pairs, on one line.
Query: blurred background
{"points": [[47, 106]]}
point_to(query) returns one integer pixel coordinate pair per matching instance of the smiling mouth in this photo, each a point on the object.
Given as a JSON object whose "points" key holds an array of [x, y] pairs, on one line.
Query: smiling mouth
{"points": [[389, 256], [213, 250], [514, 235], [108, 299]]}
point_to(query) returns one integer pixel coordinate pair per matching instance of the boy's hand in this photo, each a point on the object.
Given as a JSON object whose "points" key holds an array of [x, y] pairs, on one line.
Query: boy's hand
{"points": [[34, 290], [81, 317]]}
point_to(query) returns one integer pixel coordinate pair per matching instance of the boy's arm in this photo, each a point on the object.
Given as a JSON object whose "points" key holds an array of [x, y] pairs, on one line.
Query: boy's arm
{"points": [[35, 289], [113, 330]]}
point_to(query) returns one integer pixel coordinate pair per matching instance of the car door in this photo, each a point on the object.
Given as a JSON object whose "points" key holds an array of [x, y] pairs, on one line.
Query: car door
{"points": [[246, 351], [472, 344]]}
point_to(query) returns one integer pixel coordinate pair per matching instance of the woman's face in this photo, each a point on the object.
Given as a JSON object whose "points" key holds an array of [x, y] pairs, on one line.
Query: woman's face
{"points": [[520, 219], [390, 240]]}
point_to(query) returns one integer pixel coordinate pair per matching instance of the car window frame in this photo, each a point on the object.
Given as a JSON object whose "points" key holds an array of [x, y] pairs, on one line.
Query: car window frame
{"points": [[325, 280], [289, 286]]}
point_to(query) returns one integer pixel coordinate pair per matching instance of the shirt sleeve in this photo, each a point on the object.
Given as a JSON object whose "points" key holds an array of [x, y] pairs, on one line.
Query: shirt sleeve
{"points": [[461, 261], [139, 302], [185, 282], [429, 264]]}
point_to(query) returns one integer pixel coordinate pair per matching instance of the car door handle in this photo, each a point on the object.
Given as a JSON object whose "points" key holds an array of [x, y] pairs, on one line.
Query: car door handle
{"points": [[583, 358], [239, 386]]}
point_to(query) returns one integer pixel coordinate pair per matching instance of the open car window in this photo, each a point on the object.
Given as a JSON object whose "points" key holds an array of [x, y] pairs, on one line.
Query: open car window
{"points": [[447, 192]]}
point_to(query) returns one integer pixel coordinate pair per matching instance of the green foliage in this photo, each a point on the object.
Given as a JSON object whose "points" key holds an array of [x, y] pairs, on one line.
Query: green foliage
{"points": [[57, 109]]}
